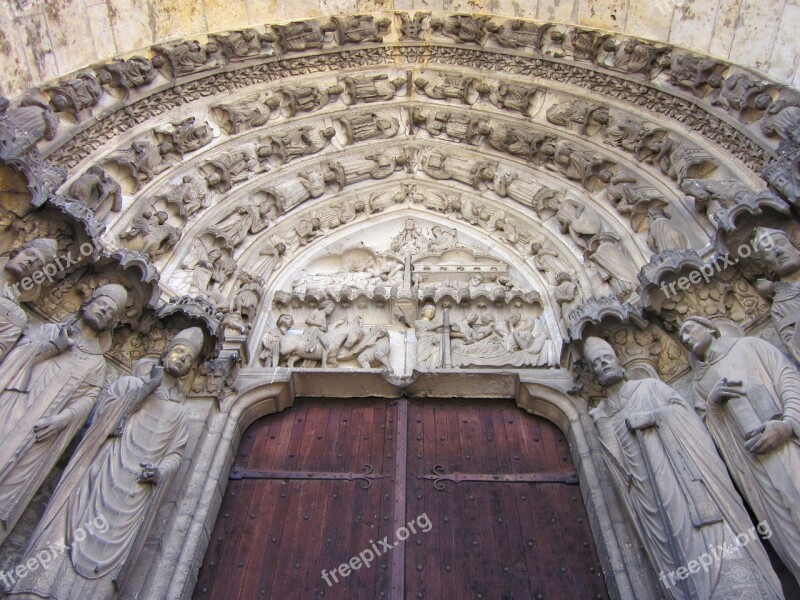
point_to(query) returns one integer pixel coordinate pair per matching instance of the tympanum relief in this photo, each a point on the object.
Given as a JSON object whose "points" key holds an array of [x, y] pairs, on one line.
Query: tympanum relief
{"points": [[426, 301]]}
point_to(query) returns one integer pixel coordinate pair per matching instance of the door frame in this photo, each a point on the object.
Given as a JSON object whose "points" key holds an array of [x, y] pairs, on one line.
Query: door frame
{"points": [[171, 569]]}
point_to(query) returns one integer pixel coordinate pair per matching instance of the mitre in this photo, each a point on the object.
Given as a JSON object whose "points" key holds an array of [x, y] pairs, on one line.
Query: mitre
{"points": [[595, 346], [192, 338], [114, 292], [46, 246]]}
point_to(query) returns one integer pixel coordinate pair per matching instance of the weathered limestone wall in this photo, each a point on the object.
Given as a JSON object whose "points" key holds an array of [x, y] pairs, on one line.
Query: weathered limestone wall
{"points": [[44, 39]]}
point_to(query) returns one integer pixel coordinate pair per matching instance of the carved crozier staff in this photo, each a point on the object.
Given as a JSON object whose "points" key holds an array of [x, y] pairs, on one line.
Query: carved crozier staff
{"points": [[687, 585]]}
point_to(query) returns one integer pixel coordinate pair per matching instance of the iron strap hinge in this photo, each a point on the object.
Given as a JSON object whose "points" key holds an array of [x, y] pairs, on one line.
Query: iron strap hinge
{"points": [[364, 478], [439, 477]]}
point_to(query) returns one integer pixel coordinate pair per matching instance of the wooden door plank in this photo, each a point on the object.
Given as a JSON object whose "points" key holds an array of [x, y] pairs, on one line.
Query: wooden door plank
{"points": [[224, 527], [474, 512], [301, 495], [313, 583], [233, 562], [343, 499], [514, 573], [388, 486], [424, 568]]}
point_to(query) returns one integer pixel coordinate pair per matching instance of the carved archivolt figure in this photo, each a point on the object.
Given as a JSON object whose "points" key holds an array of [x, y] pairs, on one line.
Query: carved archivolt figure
{"points": [[663, 234], [307, 98], [48, 385], [583, 117], [462, 28], [714, 196], [189, 196], [189, 57], [633, 56], [371, 88], [300, 142], [34, 116], [243, 44], [98, 191], [132, 73], [453, 87], [575, 164], [777, 253], [613, 263], [518, 34], [521, 98], [150, 234], [360, 29], [185, 136], [369, 126], [143, 160], [675, 487], [229, 169], [740, 93], [579, 220], [76, 95], [547, 260], [693, 72], [117, 478], [750, 394], [542, 200], [32, 257], [303, 35], [247, 113]]}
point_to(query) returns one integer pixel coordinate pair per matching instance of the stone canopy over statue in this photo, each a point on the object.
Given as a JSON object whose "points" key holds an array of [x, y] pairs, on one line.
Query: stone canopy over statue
{"points": [[117, 475], [675, 486]]}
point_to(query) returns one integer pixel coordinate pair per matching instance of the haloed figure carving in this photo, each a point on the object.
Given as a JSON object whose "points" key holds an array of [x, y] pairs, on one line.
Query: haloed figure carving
{"points": [[777, 253], [118, 473], [48, 385], [674, 486], [751, 397]]}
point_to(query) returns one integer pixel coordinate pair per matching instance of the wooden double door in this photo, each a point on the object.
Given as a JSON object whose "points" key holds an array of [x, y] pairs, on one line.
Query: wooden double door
{"points": [[417, 499]]}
